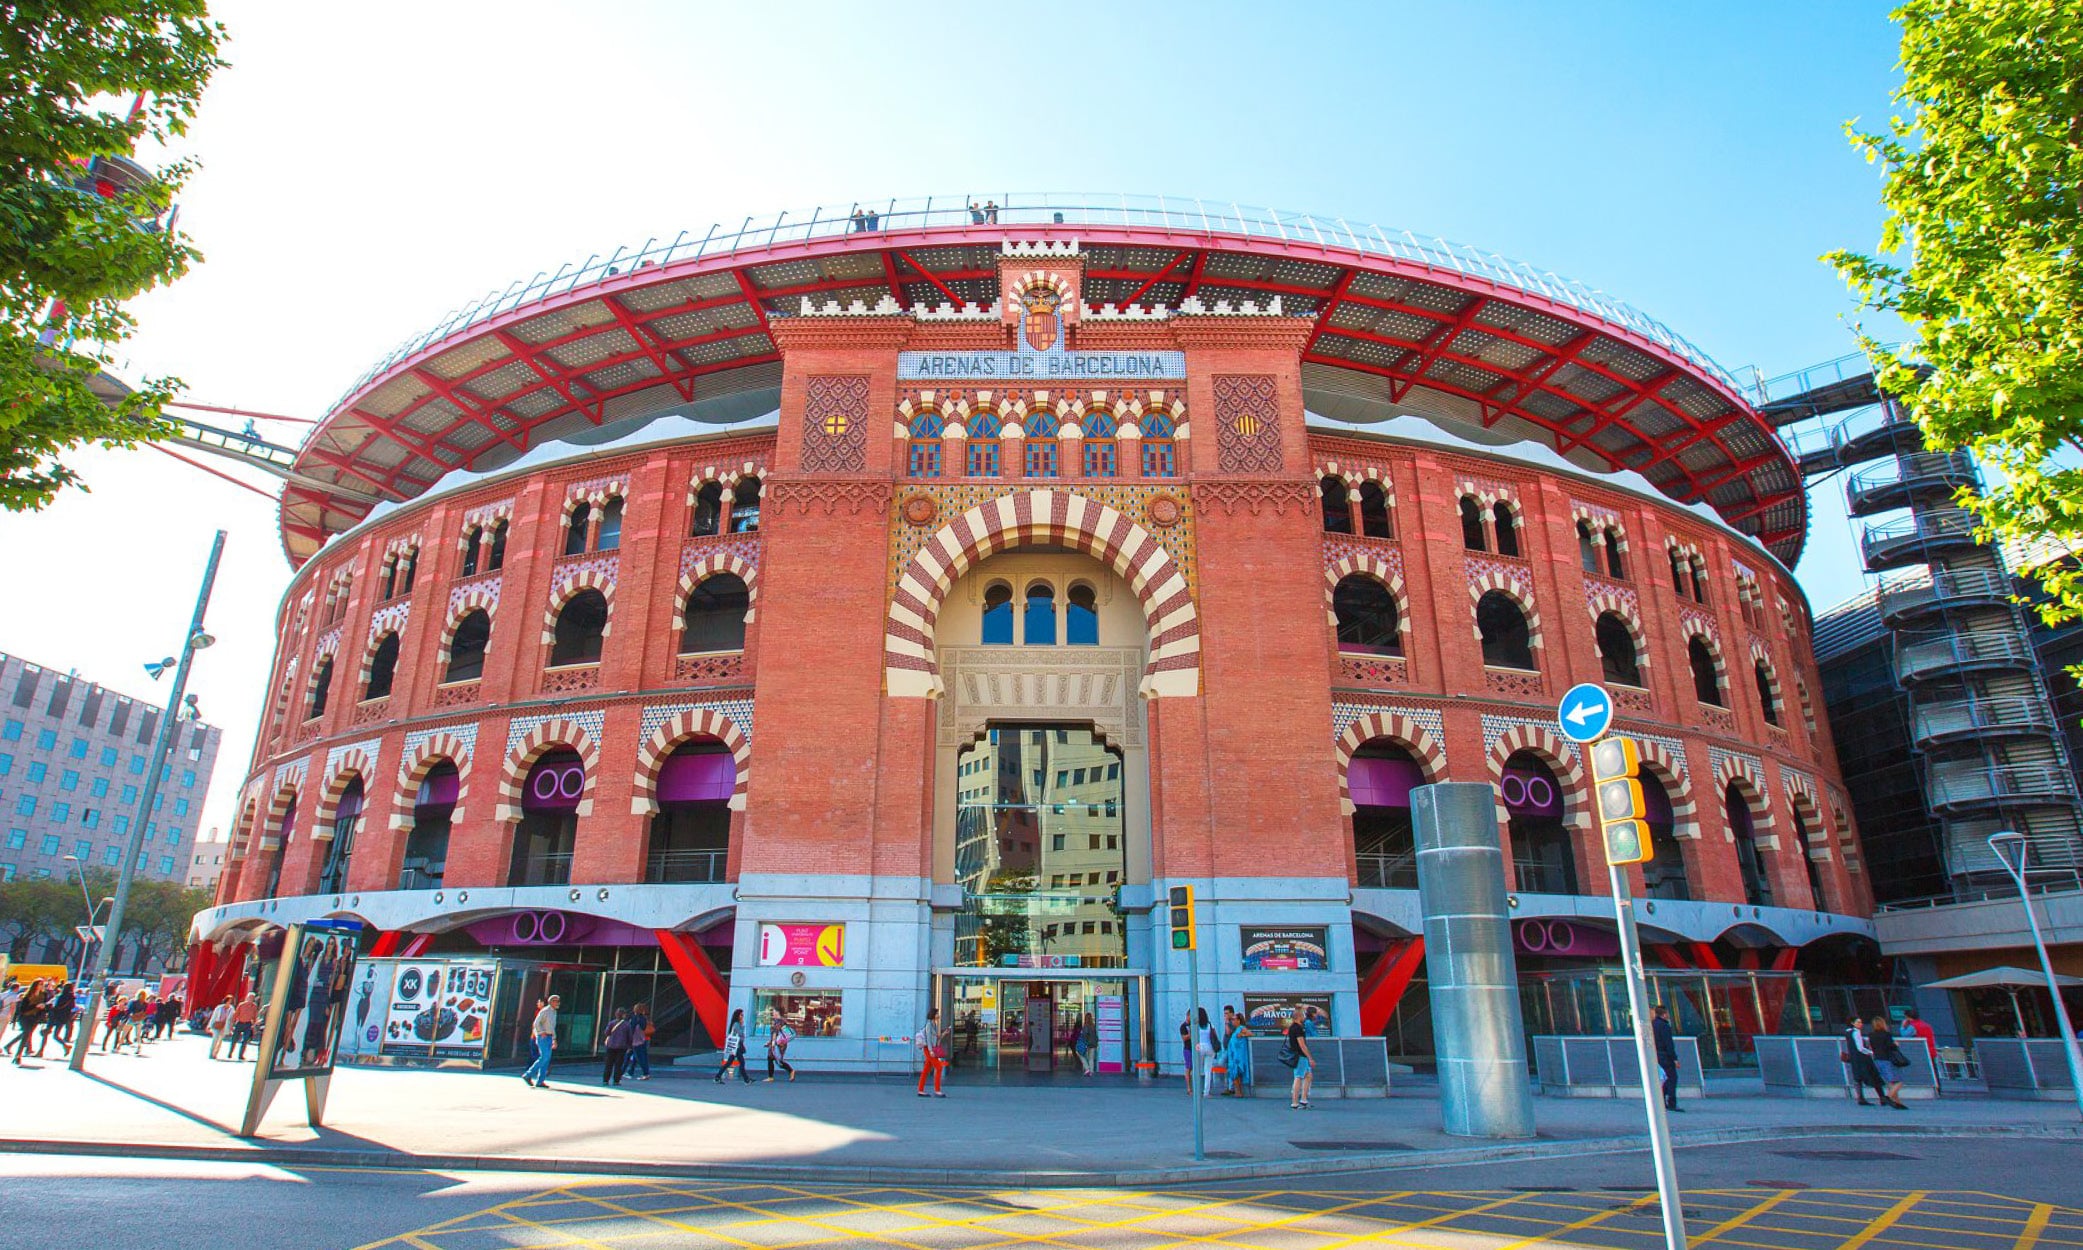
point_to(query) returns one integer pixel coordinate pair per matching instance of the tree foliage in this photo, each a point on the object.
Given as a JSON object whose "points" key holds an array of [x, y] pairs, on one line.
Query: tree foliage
{"points": [[1982, 255], [155, 924], [76, 241]]}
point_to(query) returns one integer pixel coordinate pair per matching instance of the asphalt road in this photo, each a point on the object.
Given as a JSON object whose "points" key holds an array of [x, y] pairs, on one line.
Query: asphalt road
{"points": [[1818, 1194]]}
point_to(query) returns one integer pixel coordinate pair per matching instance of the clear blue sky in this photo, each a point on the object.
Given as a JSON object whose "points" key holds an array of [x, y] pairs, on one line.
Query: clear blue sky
{"points": [[368, 168]]}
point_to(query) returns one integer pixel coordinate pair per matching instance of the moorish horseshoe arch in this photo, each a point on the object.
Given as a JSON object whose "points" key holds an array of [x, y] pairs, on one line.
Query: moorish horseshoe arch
{"points": [[684, 727], [538, 741], [1392, 727], [911, 667]]}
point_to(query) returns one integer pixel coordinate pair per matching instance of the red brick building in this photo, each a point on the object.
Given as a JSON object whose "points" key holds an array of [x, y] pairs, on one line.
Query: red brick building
{"points": [[854, 616]]}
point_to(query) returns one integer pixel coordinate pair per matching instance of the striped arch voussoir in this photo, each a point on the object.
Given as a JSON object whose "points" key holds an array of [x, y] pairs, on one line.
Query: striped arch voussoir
{"points": [[698, 723], [724, 474], [1397, 728], [1366, 564], [1733, 769], [704, 569], [912, 668], [1354, 476], [1599, 600], [584, 579], [1489, 579], [283, 802], [513, 773], [1677, 782], [413, 770], [1558, 755], [476, 599], [354, 762]]}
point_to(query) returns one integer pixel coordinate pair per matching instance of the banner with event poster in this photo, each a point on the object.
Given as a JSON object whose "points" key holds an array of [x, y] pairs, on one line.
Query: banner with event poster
{"points": [[435, 1009], [802, 945], [1290, 949], [1269, 1014], [368, 1006]]}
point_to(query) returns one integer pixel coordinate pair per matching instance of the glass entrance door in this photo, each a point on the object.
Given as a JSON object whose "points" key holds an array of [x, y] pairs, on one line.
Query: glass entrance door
{"points": [[1032, 1027]]}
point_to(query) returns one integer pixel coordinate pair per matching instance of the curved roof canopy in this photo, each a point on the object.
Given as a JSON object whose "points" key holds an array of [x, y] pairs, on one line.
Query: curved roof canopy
{"points": [[1402, 324]]}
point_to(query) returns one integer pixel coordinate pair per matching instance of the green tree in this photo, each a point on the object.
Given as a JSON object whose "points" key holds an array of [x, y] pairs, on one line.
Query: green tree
{"points": [[78, 239], [156, 920], [1982, 256], [35, 909]]}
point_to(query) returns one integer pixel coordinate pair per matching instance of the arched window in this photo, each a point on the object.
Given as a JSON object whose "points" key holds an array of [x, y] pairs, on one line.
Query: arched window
{"points": [[984, 428], [1100, 445], [714, 618], [1706, 683], [1366, 614], [1757, 887], [1615, 566], [1472, 525], [426, 847], [690, 834], [1616, 650], [1587, 547], [1681, 574], [383, 666], [1081, 616], [472, 549], [1338, 506], [321, 688], [347, 821], [1699, 581], [610, 531], [1039, 620], [1807, 705], [580, 627], [1374, 511], [1544, 859], [497, 558], [998, 615], [924, 445], [575, 533], [1664, 875], [1768, 696], [744, 506], [283, 829], [1380, 777], [1805, 844], [1507, 532], [549, 826], [387, 584], [1507, 641], [708, 510], [1159, 458], [408, 569], [466, 649], [1041, 443]]}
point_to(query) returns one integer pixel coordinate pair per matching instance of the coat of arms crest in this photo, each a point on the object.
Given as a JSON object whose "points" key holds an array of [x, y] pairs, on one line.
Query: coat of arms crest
{"points": [[1041, 304]]}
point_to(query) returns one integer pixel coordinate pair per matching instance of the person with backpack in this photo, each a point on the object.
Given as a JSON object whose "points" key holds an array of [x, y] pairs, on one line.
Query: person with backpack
{"points": [[734, 1048], [619, 1039], [778, 1038], [640, 1052]]}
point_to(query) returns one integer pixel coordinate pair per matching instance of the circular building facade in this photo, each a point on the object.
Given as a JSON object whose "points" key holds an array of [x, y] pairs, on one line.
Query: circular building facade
{"points": [[887, 609]]}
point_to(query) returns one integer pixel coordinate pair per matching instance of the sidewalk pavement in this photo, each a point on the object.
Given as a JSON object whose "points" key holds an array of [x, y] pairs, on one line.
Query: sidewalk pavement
{"points": [[177, 1102]]}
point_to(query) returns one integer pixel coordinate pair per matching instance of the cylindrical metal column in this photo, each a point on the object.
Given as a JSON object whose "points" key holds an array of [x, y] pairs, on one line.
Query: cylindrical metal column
{"points": [[1484, 1089]]}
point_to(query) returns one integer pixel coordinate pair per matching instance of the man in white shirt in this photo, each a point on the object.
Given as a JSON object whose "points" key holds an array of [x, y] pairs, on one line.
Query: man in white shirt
{"points": [[543, 1035]]}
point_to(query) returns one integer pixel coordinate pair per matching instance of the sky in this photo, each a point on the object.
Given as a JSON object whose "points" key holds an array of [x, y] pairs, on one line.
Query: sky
{"points": [[365, 170]]}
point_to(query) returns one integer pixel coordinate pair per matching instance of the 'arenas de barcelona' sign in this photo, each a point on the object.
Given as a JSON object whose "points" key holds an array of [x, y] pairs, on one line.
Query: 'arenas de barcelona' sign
{"points": [[1054, 365]]}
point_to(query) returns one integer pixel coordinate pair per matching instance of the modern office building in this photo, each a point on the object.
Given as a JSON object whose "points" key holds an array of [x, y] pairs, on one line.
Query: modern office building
{"points": [[883, 608], [73, 756]]}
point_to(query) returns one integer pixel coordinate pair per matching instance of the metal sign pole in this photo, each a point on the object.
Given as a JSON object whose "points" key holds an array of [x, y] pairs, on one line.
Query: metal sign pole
{"points": [[1193, 1049], [1645, 1059]]}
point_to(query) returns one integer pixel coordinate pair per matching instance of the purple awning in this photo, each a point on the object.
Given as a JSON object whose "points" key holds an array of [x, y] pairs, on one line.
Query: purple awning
{"points": [[1382, 782], [696, 778]]}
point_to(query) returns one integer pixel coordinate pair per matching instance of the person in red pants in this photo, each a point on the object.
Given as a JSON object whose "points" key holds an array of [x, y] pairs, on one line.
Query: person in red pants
{"points": [[932, 1057]]}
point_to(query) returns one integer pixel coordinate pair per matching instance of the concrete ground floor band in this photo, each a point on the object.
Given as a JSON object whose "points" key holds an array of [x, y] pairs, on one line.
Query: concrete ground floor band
{"points": [[853, 962]]}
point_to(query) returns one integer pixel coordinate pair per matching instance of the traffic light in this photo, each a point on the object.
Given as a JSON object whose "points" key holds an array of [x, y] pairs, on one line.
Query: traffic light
{"points": [[1182, 918], [1615, 765]]}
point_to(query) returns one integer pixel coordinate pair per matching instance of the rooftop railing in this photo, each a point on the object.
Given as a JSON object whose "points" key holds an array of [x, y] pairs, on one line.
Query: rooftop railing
{"points": [[1185, 215]]}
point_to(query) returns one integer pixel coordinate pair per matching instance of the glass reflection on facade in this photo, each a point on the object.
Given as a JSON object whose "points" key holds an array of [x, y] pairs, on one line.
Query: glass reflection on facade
{"points": [[1039, 850]]}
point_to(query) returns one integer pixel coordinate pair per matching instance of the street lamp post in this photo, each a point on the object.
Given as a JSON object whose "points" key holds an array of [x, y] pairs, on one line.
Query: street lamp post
{"points": [[191, 642], [2011, 848]]}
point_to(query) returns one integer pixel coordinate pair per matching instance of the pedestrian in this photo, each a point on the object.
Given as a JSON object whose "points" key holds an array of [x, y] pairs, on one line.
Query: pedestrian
{"points": [[1296, 1055], [1921, 1029], [58, 1021], [620, 1039], [1857, 1055], [220, 1027], [734, 1048], [640, 1053], [1186, 1051], [245, 1018], [932, 1055], [136, 1018], [1236, 1050], [976, 213], [542, 1035], [10, 995], [991, 212], [1204, 1050], [779, 1035], [1081, 1045], [28, 1016], [1889, 1059], [1666, 1053]]}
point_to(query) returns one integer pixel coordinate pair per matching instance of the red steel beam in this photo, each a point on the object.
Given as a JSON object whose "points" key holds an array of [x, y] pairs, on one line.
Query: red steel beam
{"points": [[946, 290], [1144, 289], [1386, 984]]}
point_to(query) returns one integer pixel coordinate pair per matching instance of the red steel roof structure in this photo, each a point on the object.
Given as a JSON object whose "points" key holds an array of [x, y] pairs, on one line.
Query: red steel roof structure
{"points": [[1402, 323]]}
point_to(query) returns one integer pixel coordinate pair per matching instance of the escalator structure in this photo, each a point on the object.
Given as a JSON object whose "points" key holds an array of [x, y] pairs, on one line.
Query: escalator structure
{"points": [[1990, 751]]}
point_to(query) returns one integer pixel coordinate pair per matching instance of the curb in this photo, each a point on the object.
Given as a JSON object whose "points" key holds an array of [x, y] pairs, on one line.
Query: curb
{"points": [[966, 1178]]}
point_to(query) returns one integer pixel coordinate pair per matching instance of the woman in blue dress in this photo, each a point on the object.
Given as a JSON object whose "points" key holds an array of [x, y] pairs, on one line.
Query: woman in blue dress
{"points": [[1236, 1051]]}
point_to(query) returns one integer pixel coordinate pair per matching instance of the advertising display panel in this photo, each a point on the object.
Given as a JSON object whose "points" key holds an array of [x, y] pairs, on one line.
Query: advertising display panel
{"points": [[306, 1004], [814, 945], [1112, 1018], [368, 1006], [1290, 949], [811, 1013], [437, 1009], [1269, 1014]]}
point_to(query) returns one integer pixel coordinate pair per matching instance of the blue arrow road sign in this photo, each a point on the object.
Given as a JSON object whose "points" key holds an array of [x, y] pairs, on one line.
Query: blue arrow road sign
{"points": [[1585, 713]]}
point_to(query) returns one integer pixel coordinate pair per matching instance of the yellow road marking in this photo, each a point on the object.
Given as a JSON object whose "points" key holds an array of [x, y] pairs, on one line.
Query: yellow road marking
{"points": [[2035, 1224], [1881, 1222], [1735, 1222], [1587, 1222]]}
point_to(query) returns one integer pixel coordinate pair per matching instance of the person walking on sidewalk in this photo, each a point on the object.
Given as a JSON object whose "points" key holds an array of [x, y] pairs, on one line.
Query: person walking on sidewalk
{"points": [[245, 1018], [1889, 1059], [1298, 1048], [220, 1027], [1666, 1053], [1204, 1050], [734, 1048], [932, 1053], [28, 1017], [778, 1038], [1920, 1028], [620, 1038], [57, 1022], [10, 994], [640, 1052], [1857, 1054], [543, 1036]]}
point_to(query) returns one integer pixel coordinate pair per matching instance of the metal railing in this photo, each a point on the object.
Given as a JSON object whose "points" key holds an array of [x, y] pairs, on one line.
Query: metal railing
{"points": [[1933, 466], [1184, 215], [1952, 786], [1968, 716], [2045, 881], [1886, 538], [1945, 586], [1837, 435], [665, 867], [548, 869], [1813, 378], [416, 877], [1388, 872], [1916, 659]]}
